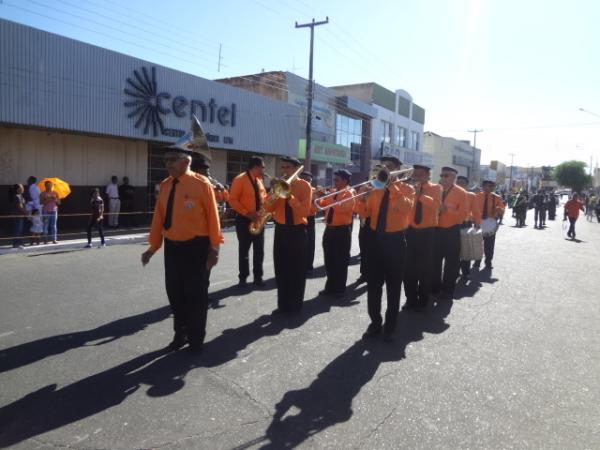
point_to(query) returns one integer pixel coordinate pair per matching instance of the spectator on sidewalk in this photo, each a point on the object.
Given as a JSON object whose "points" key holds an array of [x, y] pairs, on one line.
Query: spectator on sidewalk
{"points": [[114, 202], [18, 213], [32, 194], [96, 217], [49, 201], [37, 227], [127, 196]]}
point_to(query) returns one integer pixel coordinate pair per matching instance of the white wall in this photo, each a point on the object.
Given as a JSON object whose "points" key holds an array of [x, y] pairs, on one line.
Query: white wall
{"points": [[79, 160]]}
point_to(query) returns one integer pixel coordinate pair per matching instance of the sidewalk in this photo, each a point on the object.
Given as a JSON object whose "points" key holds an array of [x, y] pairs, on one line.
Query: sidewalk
{"points": [[113, 237]]}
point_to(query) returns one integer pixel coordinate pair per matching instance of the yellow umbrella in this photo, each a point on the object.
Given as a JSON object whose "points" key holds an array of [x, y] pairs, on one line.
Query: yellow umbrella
{"points": [[59, 186]]}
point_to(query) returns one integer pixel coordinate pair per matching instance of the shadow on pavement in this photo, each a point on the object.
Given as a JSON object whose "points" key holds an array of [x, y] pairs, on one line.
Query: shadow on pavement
{"points": [[50, 408], [328, 399], [31, 352]]}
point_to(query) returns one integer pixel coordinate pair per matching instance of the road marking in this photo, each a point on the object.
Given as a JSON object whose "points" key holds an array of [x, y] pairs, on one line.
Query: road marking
{"points": [[6, 333], [220, 282]]}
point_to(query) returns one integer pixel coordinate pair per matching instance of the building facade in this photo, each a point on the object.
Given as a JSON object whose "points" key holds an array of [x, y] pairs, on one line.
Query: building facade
{"points": [[455, 153], [82, 113], [397, 129], [340, 126]]}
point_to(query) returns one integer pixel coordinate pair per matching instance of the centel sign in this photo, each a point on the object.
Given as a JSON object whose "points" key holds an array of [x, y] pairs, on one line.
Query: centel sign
{"points": [[147, 105]]}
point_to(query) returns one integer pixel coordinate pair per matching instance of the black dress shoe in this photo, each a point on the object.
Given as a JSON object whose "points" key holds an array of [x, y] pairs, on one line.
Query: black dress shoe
{"points": [[259, 282], [277, 312], [372, 331], [361, 280], [179, 340], [325, 292], [408, 306], [387, 337], [242, 283]]}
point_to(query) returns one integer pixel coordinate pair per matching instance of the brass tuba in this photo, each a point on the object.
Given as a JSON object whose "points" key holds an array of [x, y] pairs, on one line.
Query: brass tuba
{"points": [[280, 188]]}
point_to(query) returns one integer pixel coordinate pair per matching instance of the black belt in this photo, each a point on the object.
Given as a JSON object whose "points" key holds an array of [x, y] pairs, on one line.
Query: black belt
{"points": [[419, 230], [188, 242], [334, 227], [390, 233], [114, 198]]}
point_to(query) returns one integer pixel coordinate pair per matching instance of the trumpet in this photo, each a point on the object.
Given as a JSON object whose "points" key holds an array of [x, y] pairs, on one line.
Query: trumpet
{"points": [[280, 188], [381, 178]]}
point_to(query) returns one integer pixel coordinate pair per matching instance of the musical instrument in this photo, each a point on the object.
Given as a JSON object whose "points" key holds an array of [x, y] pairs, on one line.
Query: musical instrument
{"points": [[489, 226], [280, 188], [194, 141], [381, 178]]}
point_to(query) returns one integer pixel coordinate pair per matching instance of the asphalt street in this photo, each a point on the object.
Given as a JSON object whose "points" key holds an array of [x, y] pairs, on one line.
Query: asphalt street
{"points": [[513, 362]]}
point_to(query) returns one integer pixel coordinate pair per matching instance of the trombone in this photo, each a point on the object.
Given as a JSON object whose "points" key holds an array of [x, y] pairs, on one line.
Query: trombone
{"points": [[280, 188], [381, 177]]}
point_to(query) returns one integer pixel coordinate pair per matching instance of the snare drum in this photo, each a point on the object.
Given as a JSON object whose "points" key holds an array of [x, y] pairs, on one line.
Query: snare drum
{"points": [[489, 226]]}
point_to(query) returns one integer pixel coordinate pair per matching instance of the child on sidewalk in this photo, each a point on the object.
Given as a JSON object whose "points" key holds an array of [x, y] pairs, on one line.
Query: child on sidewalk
{"points": [[37, 227]]}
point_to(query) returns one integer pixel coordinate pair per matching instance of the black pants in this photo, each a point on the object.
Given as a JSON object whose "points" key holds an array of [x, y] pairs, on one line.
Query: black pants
{"points": [[489, 242], [310, 252], [336, 248], [386, 265], [539, 216], [289, 258], [245, 240], [571, 232], [185, 278], [127, 220], [418, 265], [98, 224], [364, 244], [447, 255]]}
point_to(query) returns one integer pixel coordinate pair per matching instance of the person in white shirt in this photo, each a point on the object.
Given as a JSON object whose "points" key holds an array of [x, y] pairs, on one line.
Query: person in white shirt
{"points": [[114, 203], [33, 200]]}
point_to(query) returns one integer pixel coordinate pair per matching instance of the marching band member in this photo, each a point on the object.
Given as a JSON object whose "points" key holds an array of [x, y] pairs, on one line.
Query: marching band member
{"points": [[289, 247], [492, 207], [473, 218], [310, 227], [338, 234], [420, 239], [246, 197], [453, 211], [389, 210], [187, 219]]}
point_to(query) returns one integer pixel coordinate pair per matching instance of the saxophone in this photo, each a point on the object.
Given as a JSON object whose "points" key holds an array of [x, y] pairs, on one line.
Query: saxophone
{"points": [[280, 188]]}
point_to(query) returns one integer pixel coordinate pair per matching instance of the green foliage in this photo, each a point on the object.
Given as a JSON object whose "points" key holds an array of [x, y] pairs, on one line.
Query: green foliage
{"points": [[572, 174]]}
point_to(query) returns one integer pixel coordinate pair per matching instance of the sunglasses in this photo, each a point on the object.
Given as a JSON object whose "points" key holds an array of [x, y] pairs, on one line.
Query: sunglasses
{"points": [[445, 175]]}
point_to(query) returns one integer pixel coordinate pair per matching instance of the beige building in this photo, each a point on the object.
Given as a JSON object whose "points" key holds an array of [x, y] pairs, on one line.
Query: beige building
{"points": [[451, 152]]}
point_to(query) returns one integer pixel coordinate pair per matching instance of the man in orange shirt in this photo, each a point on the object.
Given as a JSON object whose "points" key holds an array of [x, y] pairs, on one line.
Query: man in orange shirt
{"points": [[246, 197], [338, 234], [473, 218], [572, 208], [453, 210], [289, 247], [420, 239], [310, 227], [186, 217], [492, 208], [389, 210]]}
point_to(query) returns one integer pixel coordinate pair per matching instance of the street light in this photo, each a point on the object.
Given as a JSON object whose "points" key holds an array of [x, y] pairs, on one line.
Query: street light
{"points": [[589, 112], [595, 115]]}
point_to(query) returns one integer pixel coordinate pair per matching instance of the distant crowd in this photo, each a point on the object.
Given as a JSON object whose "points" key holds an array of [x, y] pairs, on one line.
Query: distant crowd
{"points": [[34, 211]]}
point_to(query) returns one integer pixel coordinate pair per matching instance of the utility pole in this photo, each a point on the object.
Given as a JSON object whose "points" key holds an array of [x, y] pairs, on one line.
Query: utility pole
{"points": [[219, 65], [310, 94], [512, 155], [475, 131]]}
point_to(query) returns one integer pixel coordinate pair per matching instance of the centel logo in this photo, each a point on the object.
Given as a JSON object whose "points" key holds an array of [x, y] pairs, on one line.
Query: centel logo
{"points": [[147, 105]]}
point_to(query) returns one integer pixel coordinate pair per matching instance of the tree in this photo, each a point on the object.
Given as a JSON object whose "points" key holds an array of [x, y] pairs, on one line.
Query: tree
{"points": [[572, 174]]}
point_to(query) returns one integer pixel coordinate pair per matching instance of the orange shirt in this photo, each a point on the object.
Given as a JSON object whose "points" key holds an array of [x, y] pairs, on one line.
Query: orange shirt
{"points": [[473, 208], [572, 208], [241, 194], [402, 197], [495, 205], [342, 213], [300, 202], [455, 205], [430, 198], [195, 211], [222, 195], [313, 208]]}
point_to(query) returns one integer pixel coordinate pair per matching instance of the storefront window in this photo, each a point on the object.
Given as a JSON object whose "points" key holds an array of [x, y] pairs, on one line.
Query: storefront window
{"points": [[348, 131], [237, 162], [401, 137]]}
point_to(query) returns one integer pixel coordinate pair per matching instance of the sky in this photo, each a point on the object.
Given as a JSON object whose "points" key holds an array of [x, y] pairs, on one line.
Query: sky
{"points": [[520, 70]]}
